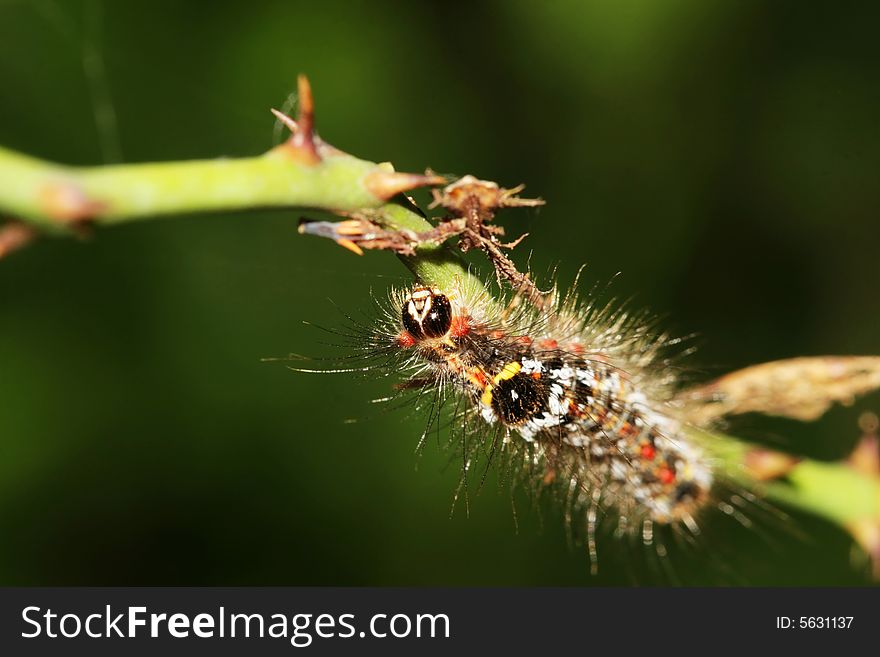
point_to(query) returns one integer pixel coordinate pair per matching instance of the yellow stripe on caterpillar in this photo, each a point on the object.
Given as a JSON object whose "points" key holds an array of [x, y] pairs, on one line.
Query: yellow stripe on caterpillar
{"points": [[509, 371]]}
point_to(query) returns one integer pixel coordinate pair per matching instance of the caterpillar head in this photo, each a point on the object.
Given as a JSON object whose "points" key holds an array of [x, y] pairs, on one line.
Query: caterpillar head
{"points": [[426, 313]]}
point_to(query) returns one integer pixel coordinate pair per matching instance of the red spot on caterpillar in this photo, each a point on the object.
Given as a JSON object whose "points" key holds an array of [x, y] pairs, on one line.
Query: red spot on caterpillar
{"points": [[627, 430], [576, 348], [459, 326], [496, 335], [478, 377], [648, 452], [524, 339], [667, 476], [548, 344], [576, 411], [405, 339]]}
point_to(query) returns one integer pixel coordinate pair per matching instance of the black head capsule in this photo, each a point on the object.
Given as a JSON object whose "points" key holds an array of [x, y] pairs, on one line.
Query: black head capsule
{"points": [[427, 313]]}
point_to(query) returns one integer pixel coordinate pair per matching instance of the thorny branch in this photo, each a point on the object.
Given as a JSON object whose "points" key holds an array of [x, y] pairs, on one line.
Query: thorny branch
{"points": [[305, 171], [42, 198], [472, 205]]}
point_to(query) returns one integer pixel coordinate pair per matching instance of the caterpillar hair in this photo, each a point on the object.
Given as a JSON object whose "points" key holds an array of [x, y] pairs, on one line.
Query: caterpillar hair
{"points": [[572, 394]]}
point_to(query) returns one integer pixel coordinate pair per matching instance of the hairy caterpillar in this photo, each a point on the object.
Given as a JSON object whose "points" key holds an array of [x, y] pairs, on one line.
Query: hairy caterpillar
{"points": [[577, 395]]}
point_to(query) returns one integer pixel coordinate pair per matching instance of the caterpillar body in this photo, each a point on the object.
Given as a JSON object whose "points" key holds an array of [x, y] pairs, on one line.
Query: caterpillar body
{"points": [[575, 394]]}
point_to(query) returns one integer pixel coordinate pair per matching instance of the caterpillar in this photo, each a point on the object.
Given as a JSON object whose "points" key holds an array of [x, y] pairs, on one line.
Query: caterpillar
{"points": [[574, 394]]}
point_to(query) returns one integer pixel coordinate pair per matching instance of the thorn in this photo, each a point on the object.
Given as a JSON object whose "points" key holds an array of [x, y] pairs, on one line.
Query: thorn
{"points": [[385, 184], [303, 141], [15, 235], [306, 102], [351, 246], [286, 120]]}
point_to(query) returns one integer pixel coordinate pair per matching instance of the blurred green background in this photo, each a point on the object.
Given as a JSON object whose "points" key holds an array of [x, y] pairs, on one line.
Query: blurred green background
{"points": [[722, 155]]}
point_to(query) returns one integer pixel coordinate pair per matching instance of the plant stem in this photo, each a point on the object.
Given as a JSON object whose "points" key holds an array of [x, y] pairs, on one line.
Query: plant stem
{"points": [[51, 196], [433, 264], [832, 490]]}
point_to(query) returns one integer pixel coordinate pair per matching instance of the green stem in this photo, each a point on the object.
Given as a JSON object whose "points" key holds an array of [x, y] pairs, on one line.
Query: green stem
{"points": [[433, 264], [832, 490], [47, 194]]}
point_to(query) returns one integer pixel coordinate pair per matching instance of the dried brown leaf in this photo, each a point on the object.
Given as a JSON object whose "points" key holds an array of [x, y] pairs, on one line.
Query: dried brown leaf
{"points": [[799, 388]]}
